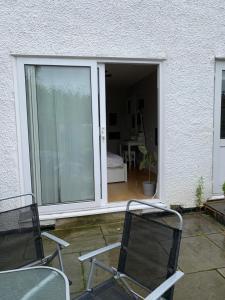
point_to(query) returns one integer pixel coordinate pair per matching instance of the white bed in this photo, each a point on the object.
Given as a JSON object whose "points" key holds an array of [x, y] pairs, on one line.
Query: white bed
{"points": [[116, 168]]}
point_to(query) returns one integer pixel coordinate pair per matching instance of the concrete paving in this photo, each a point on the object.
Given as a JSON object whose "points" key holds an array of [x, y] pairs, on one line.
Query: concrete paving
{"points": [[202, 255]]}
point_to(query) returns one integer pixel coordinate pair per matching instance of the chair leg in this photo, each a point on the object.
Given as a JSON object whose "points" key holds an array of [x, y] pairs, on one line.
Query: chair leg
{"points": [[60, 258], [61, 261], [90, 277]]}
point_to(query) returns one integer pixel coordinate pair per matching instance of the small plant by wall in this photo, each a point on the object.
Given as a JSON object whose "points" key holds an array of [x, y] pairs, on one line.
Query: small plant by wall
{"points": [[200, 193], [223, 188], [148, 161]]}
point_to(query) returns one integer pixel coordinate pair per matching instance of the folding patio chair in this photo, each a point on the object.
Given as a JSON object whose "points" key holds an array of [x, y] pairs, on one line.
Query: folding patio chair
{"points": [[148, 259], [21, 238]]}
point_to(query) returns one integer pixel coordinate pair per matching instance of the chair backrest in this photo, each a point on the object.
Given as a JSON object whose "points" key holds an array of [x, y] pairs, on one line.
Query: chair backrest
{"points": [[20, 237], [150, 249]]}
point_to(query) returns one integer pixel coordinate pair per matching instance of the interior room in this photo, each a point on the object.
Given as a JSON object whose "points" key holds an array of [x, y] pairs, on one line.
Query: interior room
{"points": [[132, 130]]}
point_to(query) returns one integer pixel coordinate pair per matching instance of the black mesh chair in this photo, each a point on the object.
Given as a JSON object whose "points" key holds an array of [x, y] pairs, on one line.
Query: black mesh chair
{"points": [[147, 267], [21, 238]]}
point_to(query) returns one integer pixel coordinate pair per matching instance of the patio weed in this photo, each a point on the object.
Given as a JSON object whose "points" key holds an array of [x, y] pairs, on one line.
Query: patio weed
{"points": [[200, 193]]}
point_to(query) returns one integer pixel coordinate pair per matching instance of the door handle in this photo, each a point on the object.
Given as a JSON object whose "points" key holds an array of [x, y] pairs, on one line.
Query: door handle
{"points": [[103, 135]]}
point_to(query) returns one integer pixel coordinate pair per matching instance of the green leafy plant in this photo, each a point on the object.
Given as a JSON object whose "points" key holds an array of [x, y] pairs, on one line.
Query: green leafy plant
{"points": [[223, 187], [200, 192], [148, 160]]}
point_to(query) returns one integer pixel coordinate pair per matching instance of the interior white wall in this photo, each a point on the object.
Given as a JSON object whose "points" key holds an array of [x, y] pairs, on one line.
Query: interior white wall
{"points": [[116, 103], [188, 34], [147, 89]]}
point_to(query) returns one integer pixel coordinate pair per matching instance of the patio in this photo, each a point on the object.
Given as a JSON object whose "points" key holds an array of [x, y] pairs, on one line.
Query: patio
{"points": [[202, 255]]}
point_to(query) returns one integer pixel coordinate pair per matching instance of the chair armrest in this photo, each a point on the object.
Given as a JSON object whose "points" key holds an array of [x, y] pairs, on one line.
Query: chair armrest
{"points": [[166, 285], [99, 251], [54, 238]]}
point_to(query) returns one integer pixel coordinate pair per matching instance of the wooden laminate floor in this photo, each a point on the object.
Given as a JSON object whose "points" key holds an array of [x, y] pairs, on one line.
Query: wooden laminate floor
{"points": [[132, 189]]}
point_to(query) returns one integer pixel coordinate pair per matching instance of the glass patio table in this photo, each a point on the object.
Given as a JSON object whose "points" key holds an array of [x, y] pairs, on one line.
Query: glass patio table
{"points": [[36, 283]]}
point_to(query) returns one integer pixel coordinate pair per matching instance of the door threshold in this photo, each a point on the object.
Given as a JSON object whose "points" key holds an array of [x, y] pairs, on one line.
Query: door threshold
{"points": [[216, 197], [104, 209]]}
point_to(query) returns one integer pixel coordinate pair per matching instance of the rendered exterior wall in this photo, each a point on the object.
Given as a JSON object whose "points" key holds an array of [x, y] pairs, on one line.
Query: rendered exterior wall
{"points": [[188, 33]]}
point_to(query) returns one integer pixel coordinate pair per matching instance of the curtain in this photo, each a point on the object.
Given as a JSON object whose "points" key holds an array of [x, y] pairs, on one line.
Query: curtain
{"points": [[61, 143]]}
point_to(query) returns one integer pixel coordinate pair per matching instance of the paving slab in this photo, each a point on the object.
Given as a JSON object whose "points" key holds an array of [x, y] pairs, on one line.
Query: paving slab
{"points": [[196, 224], [110, 259], [213, 221], [199, 253], [73, 270], [85, 244], [208, 285], [112, 228], [77, 244], [89, 220], [222, 272], [218, 239], [79, 232], [74, 296], [49, 246], [110, 239]]}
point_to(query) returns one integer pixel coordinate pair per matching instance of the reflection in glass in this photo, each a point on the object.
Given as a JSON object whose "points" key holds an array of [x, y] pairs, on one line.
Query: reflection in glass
{"points": [[60, 133]]}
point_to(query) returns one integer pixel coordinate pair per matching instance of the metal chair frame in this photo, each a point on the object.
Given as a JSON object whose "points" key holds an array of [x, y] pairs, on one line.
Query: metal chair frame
{"points": [[60, 244], [153, 295]]}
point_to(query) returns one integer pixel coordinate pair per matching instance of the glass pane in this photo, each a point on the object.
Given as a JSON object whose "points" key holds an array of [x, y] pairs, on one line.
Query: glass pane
{"points": [[60, 132], [34, 283], [222, 130]]}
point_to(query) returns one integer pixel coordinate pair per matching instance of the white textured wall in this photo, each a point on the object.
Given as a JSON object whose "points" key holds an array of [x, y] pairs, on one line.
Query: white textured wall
{"points": [[190, 33]]}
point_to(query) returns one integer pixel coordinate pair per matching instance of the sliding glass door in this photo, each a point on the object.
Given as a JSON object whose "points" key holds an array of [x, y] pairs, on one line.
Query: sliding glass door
{"points": [[219, 130], [63, 132]]}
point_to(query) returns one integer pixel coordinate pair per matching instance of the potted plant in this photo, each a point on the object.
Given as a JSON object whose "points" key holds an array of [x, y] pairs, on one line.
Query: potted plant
{"points": [[223, 188], [148, 161]]}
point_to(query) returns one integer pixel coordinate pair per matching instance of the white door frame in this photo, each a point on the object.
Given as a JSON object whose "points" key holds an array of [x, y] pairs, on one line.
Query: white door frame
{"points": [[103, 141], [24, 142], [161, 130], [217, 141]]}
